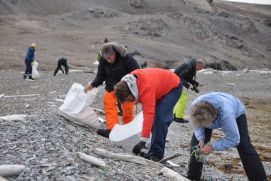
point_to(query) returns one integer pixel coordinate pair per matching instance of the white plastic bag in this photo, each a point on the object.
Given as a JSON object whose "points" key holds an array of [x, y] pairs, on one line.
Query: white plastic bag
{"points": [[129, 134], [76, 106], [35, 73]]}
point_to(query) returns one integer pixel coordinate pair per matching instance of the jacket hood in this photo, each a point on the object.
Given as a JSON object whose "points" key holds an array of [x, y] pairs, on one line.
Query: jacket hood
{"points": [[130, 79], [120, 49]]}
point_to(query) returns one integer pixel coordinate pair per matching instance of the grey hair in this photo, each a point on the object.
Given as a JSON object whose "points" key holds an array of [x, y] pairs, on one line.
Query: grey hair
{"points": [[202, 114], [111, 47], [107, 50], [200, 61]]}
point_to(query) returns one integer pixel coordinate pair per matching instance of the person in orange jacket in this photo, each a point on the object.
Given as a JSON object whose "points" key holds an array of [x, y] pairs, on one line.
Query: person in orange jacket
{"points": [[115, 63], [158, 91]]}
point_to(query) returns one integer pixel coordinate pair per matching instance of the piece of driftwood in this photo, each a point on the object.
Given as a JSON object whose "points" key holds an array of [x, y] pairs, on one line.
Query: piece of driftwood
{"points": [[90, 159], [11, 170], [17, 117], [126, 157], [170, 158], [172, 175], [3, 179], [90, 72], [172, 163], [14, 96]]}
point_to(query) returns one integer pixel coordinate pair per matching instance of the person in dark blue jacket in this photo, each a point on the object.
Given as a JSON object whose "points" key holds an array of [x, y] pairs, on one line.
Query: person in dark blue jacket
{"points": [[29, 59]]}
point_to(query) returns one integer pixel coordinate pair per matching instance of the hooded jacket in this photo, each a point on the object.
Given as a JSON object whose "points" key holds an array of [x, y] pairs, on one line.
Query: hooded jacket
{"points": [[112, 73], [151, 84], [229, 109]]}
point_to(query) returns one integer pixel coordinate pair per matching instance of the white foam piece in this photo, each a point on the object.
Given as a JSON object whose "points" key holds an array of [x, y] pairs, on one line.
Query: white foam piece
{"points": [[75, 71], [14, 117], [129, 134], [59, 100], [96, 63], [231, 84], [101, 120]]}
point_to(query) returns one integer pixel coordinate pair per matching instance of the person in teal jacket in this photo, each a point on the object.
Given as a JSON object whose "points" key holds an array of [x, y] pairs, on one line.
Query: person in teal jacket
{"points": [[29, 59], [220, 110]]}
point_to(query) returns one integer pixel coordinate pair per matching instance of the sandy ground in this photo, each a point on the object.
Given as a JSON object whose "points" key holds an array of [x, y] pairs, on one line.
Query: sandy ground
{"points": [[46, 143]]}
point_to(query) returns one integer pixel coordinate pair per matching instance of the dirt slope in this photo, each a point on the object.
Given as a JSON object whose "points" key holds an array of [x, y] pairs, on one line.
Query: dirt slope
{"points": [[167, 32]]}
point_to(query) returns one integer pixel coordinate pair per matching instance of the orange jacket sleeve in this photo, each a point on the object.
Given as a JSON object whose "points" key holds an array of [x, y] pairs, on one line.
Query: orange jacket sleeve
{"points": [[148, 106]]}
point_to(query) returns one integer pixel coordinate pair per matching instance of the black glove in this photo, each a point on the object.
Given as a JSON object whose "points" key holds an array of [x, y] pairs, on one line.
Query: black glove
{"points": [[137, 148], [195, 88]]}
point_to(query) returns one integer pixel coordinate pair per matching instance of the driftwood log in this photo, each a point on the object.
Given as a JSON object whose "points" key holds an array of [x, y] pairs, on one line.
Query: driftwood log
{"points": [[164, 160], [126, 157], [172, 175], [11, 170], [3, 179], [167, 172], [90, 159]]}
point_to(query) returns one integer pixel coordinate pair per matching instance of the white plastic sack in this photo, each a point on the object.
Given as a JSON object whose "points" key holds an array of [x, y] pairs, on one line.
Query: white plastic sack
{"points": [[35, 73], [76, 106], [129, 134]]}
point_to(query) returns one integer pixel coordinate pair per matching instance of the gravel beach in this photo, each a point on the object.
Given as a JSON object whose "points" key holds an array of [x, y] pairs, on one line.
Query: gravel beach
{"points": [[46, 143]]}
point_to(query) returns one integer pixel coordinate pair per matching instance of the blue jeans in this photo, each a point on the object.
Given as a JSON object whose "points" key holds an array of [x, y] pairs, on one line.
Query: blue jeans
{"points": [[162, 119]]}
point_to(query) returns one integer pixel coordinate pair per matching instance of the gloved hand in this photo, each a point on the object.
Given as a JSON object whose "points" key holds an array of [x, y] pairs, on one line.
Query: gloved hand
{"points": [[138, 147], [195, 88]]}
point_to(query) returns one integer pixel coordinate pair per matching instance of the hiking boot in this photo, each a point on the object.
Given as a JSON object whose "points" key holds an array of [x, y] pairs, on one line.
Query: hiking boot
{"points": [[31, 79], [103, 132], [145, 155], [156, 158], [180, 120]]}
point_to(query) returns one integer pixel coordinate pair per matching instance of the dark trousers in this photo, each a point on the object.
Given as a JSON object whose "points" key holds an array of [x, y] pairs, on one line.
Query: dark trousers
{"points": [[60, 68], [162, 119], [250, 159], [28, 69]]}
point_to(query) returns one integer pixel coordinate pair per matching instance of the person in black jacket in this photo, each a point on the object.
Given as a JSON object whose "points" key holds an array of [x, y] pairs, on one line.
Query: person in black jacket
{"points": [[114, 64], [62, 62], [187, 73]]}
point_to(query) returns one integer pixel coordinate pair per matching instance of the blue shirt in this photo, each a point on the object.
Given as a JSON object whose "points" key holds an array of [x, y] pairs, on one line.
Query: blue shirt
{"points": [[30, 53], [229, 108]]}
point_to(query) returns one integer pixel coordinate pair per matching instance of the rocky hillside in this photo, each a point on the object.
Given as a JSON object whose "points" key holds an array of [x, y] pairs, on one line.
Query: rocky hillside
{"points": [[227, 35]]}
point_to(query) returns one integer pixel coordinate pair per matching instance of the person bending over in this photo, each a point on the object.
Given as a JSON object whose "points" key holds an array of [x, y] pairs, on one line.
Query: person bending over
{"points": [[220, 110]]}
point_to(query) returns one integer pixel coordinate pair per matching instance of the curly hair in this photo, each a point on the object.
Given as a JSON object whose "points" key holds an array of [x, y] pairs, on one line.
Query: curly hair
{"points": [[202, 114]]}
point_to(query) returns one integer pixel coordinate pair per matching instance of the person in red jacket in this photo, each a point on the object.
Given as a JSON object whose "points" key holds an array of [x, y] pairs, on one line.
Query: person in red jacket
{"points": [[158, 91]]}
